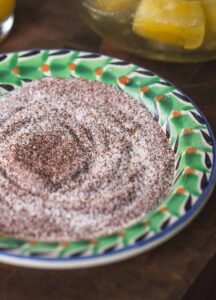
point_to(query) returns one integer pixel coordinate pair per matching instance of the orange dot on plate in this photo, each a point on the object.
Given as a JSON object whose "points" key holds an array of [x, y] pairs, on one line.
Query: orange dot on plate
{"points": [[94, 242], [181, 190], [124, 80], [163, 209], [45, 68], [121, 233], [64, 244], [160, 98], [72, 67], [191, 150], [144, 89], [176, 114], [16, 70], [189, 171], [99, 72], [32, 243], [146, 223], [187, 131]]}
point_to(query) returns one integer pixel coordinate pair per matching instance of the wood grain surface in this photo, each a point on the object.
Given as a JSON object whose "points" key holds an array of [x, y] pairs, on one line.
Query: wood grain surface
{"points": [[182, 268]]}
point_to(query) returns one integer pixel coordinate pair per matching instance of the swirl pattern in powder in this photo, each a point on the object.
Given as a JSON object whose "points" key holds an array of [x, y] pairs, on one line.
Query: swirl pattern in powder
{"points": [[78, 159]]}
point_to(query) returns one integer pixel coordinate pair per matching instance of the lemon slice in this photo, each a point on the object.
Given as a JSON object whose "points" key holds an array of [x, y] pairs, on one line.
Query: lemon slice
{"points": [[177, 22]]}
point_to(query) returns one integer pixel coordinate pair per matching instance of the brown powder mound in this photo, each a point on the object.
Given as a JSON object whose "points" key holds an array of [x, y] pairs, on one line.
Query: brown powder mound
{"points": [[78, 159]]}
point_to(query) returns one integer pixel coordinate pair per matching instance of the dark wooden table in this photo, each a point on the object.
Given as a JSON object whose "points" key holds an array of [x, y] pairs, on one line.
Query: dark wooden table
{"points": [[184, 267]]}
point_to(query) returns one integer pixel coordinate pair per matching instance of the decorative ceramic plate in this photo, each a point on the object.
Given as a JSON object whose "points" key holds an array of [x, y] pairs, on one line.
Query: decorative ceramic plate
{"points": [[187, 129]]}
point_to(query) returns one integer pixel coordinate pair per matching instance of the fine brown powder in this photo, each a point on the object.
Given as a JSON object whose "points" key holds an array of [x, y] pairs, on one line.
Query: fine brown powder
{"points": [[78, 159]]}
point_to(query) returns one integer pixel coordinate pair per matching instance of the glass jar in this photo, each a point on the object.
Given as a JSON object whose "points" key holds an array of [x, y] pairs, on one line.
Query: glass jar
{"points": [[170, 30]]}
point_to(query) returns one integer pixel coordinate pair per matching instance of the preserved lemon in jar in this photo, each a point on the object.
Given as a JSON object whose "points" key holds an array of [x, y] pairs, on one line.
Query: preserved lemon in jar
{"points": [[209, 8], [6, 17], [177, 22], [6, 8]]}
